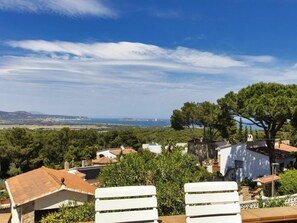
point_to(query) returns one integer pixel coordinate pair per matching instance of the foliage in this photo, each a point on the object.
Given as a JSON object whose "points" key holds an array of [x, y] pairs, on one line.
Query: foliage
{"points": [[270, 203], [72, 213], [248, 182], [167, 171], [288, 182], [3, 195], [22, 150], [266, 105], [215, 121]]}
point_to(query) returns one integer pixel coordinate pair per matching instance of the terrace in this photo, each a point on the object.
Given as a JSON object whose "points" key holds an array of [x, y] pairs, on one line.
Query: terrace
{"points": [[263, 215]]}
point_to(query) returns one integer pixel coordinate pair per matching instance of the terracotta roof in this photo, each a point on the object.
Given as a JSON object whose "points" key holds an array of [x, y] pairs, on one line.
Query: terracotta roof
{"points": [[285, 148], [5, 217], [43, 181], [104, 160], [267, 179], [124, 151]]}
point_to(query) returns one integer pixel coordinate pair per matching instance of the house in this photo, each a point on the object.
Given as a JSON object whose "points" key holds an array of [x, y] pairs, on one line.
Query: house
{"points": [[114, 152], [35, 193], [251, 159], [153, 147], [265, 183]]}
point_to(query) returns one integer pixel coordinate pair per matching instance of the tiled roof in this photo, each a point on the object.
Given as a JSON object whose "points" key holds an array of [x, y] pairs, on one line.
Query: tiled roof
{"points": [[104, 160], [285, 148], [44, 181], [124, 151], [268, 179]]}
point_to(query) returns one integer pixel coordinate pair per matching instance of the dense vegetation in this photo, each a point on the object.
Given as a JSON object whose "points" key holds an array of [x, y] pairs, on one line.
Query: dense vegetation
{"points": [[22, 150], [168, 172], [288, 182], [72, 213]]}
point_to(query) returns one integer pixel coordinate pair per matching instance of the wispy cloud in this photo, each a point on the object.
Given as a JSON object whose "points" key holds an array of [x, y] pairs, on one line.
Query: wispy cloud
{"points": [[62, 7], [126, 76]]}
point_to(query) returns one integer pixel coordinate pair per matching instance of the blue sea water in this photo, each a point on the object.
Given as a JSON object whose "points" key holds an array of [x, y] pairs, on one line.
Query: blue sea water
{"points": [[142, 123]]}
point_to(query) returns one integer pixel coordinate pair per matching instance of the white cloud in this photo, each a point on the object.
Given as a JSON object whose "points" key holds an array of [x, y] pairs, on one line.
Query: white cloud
{"points": [[124, 79], [63, 7], [133, 53]]}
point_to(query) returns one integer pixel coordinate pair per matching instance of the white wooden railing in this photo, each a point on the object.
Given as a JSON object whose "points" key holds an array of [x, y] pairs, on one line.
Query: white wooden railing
{"points": [[290, 201]]}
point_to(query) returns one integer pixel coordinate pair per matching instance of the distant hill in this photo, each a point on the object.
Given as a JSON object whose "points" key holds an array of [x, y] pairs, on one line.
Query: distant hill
{"points": [[23, 116]]}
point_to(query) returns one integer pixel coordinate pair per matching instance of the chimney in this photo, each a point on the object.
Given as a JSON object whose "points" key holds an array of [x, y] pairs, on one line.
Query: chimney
{"points": [[83, 163], [66, 165]]}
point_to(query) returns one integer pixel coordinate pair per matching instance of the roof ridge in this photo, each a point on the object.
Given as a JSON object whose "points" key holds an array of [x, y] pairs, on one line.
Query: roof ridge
{"points": [[51, 176]]}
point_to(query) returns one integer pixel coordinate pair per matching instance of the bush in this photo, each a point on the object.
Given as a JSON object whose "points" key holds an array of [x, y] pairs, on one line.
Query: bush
{"points": [[71, 213], [270, 203], [288, 182], [167, 171]]}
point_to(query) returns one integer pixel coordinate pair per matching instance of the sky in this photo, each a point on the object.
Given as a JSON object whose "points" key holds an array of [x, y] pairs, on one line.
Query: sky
{"points": [[140, 58]]}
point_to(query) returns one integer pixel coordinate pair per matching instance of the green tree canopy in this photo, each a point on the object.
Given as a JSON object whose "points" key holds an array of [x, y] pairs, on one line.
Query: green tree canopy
{"points": [[214, 120], [168, 172], [266, 105]]}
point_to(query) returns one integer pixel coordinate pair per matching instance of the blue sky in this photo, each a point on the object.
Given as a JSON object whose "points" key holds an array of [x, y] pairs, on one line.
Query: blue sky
{"points": [[140, 58]]}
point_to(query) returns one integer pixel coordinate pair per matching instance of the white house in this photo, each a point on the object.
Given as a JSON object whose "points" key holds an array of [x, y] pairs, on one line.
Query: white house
{"points": [[153, 147], [39, 191], [251, 159], [237, 162], [113, 153]]}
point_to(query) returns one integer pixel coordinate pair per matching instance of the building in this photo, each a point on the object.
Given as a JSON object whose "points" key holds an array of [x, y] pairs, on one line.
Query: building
{"points": [[153, 147], [251, 159], [114, 152], [35, 193]]}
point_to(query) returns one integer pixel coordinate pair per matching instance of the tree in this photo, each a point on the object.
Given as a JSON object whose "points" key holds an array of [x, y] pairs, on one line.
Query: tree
{"points": [[167, 171], [266, 105], [214, 120], [189, 116]]}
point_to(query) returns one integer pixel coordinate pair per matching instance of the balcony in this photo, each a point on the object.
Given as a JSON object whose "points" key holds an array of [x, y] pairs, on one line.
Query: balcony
{"points": [[263, 215]]}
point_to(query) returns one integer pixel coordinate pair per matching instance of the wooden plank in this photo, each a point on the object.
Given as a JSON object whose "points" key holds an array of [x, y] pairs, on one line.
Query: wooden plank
{"points": [[213, 198], [129, 191], [216, 219], [127, 216], [211, 186], [125, 204]]}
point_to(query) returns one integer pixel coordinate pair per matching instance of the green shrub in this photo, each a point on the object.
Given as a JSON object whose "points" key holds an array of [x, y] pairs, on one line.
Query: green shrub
{"points": [[272, 202], [71, 213], [167, 171], [288, 182]]}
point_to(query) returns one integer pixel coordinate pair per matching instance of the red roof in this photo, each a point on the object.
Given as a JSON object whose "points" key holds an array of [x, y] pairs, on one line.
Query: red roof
{"points": [[268, 179], [42, 182], [285, 148], [104, 161]]}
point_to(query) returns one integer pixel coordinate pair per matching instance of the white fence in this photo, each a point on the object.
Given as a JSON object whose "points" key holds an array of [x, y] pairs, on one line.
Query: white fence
{"points": [[290, 201]]}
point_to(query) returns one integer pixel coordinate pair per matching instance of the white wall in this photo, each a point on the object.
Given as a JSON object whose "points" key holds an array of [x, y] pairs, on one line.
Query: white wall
{"points": [[57, 199], [15, 214], [154, 148], [254, 164], [105, 153]]}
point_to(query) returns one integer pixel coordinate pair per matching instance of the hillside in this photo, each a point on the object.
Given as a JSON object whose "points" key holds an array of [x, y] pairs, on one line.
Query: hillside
{"points": [[24, 116]]}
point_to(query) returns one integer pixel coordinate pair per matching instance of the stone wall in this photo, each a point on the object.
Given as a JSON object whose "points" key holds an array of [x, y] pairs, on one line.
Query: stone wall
{"points": [[28, 212]]}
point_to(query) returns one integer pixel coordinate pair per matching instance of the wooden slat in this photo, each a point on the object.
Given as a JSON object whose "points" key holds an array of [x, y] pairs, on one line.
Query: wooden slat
{"points": [[211, 186], [131, 191], [202, 210], [211, 198], [128, 216], [216, 219], [125, 204]]}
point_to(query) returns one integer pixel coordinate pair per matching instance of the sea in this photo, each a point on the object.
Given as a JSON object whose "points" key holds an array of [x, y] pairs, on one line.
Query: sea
{"points": [[142, 123]]}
